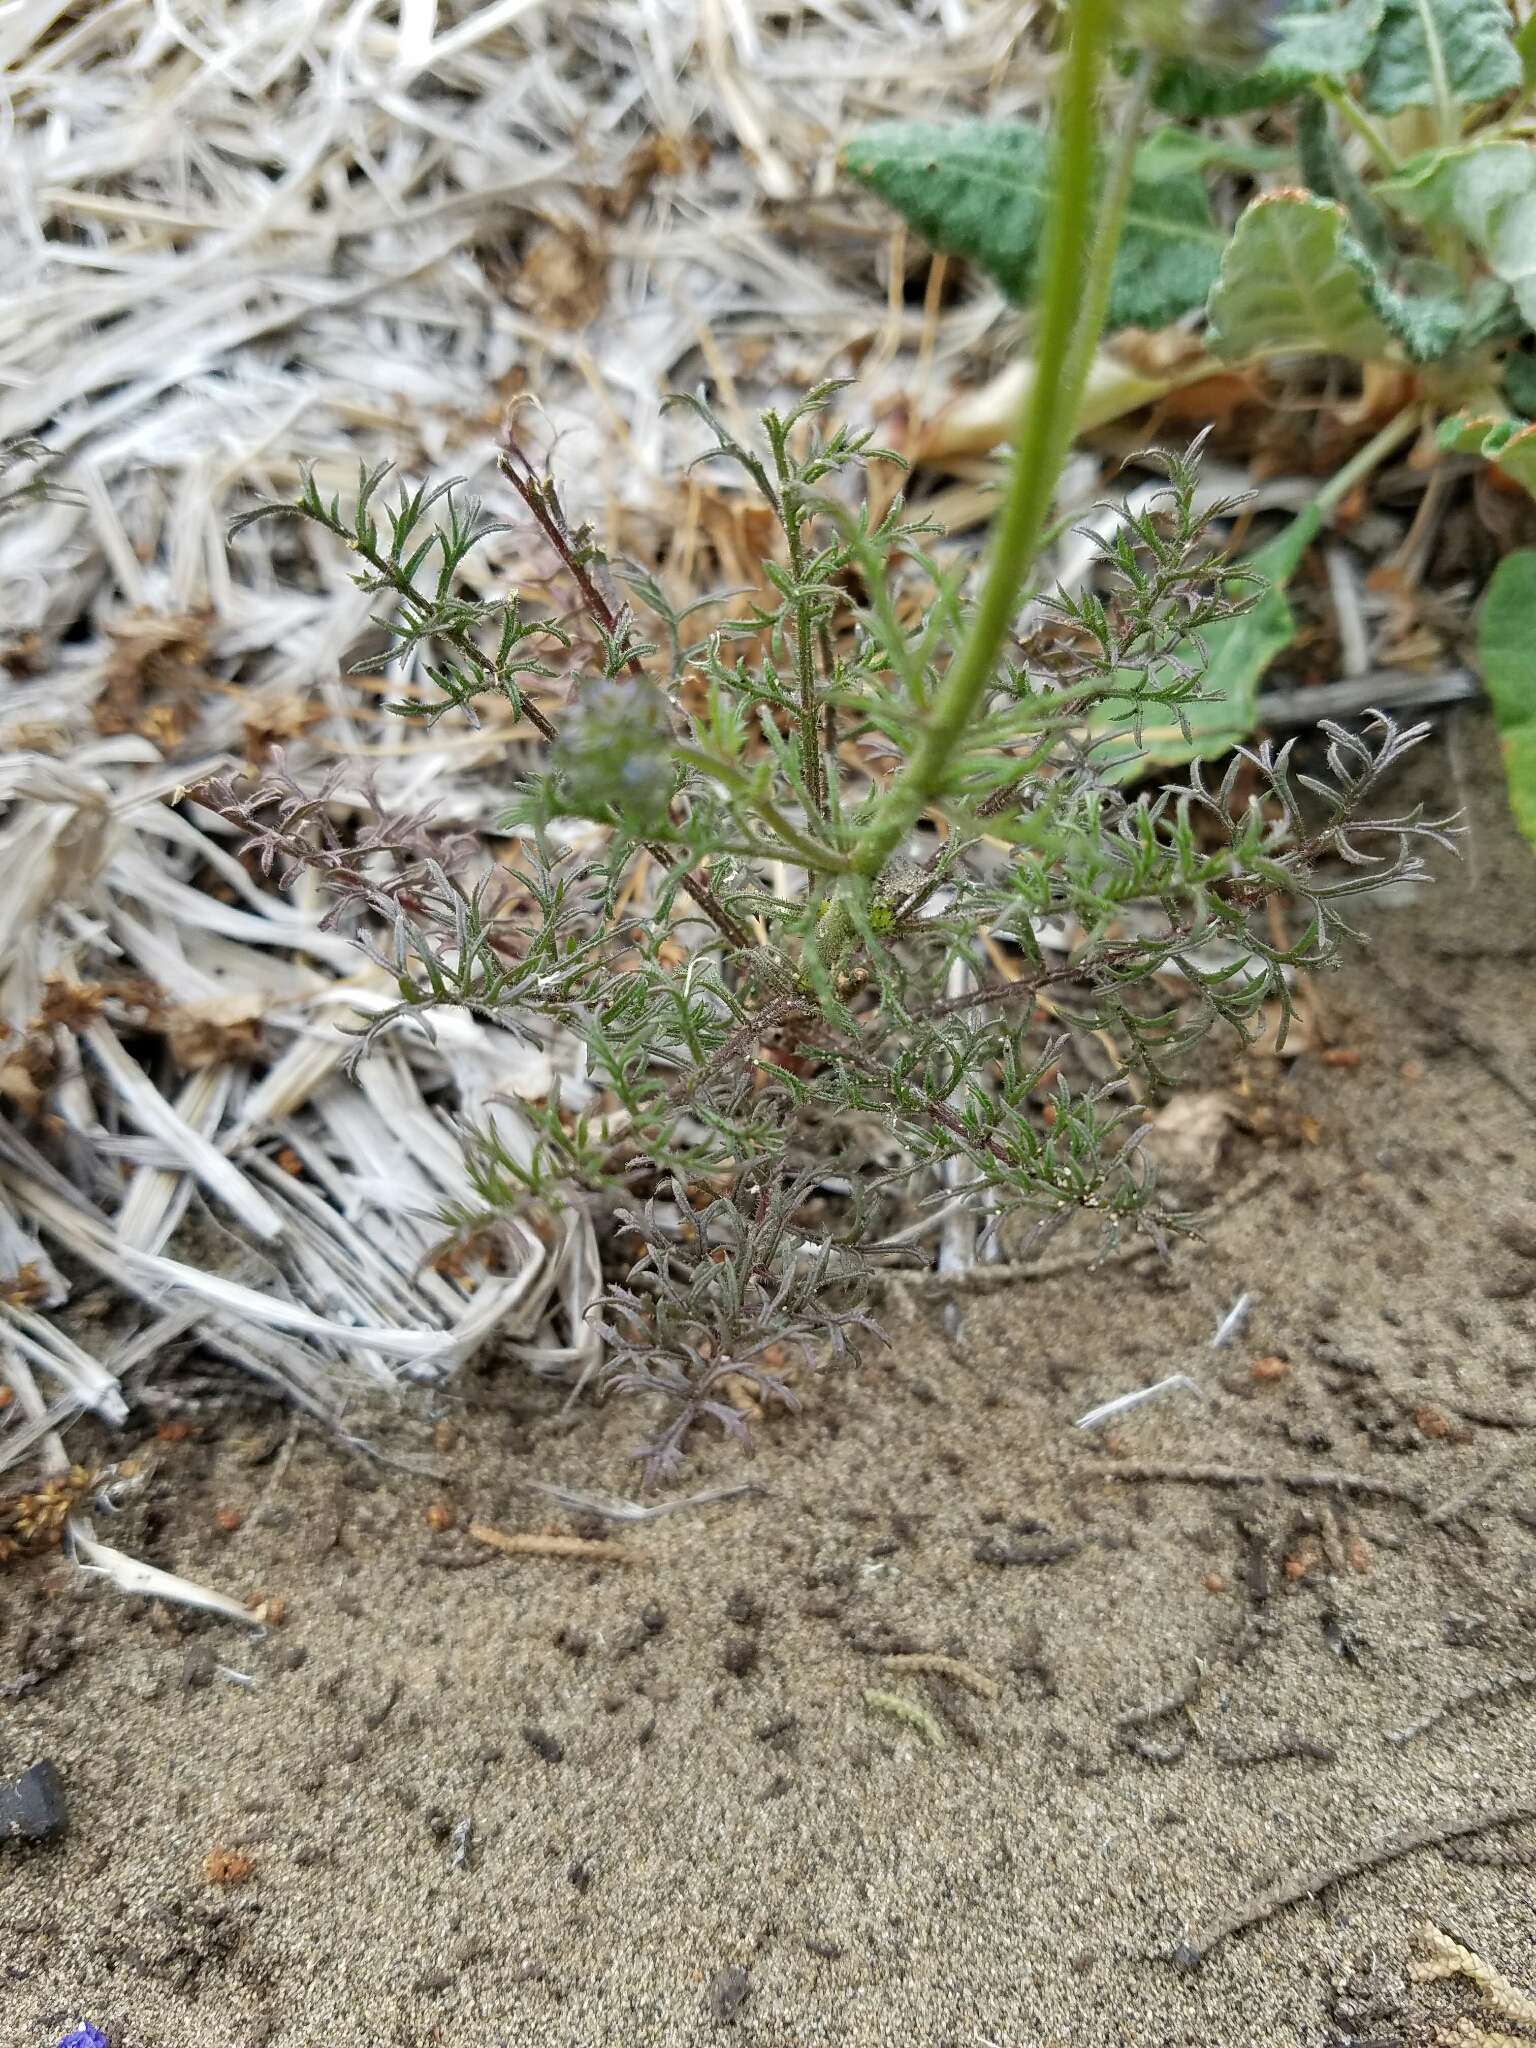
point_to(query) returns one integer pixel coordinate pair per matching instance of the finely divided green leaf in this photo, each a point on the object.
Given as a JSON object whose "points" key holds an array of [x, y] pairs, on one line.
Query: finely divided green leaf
{"points": [[1433, 52], [981, 189], [1488, 191], [1239, 651], [1292, 279], [1506, 636]]}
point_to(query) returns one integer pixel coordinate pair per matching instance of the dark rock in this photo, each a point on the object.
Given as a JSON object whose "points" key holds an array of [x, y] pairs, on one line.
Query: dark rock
{"points": [[989, 1551], [197, 1668], [1517, 1231], [32, 1806], [727, 1994], [739, 1656], [543, 1744]]}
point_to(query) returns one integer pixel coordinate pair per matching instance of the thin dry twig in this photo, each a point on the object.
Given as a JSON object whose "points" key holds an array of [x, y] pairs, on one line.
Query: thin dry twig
{"points": [[1487, 1479], [1292, 1890], [1504, 1687], [994, 1279], [1231, 1475], [1282, 1750]]}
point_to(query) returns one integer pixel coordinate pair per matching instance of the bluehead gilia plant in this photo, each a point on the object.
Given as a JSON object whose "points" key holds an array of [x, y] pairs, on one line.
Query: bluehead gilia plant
{"points": [[859, 803]]}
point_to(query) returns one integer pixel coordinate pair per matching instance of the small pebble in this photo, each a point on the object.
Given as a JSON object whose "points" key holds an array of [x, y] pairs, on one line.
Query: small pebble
{"points": [[727, 1993], [739, 1656], [543, 1744], [32, 1806], [197, 1668]]}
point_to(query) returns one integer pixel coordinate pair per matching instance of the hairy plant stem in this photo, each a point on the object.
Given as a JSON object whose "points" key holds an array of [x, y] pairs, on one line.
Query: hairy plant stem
{"points": [[1071, 303], [1364, 460], [1354, 116]]}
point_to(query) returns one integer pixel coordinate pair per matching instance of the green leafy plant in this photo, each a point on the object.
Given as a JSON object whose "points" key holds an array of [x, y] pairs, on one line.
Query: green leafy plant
{"points": [[1372, 247], [854, 859], [1506, 636], [1402, 229]]}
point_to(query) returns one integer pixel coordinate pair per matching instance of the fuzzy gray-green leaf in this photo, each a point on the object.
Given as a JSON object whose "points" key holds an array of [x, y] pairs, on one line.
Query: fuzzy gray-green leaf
{"points": [[1488, 192], [982, 189], [1441, 52], [1312, 40], [1424, 327], [1291, 280], [1505, 633]]}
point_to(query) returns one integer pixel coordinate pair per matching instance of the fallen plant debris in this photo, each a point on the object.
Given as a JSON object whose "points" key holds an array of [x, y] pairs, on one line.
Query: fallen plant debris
{"points": [[1191, 1953], [1447, 1958], [928, 1663], [907, 1713], [532, 1543], [1483, 1693]]}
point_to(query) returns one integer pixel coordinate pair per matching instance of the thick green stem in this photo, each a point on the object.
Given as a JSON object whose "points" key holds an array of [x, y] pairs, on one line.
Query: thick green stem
{"points": [[1392, 435], [1066, 335], [1354, 115]]}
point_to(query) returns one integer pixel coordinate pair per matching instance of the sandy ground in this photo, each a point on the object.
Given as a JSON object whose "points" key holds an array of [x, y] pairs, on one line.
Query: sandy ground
{"points": [[686, 1824]]}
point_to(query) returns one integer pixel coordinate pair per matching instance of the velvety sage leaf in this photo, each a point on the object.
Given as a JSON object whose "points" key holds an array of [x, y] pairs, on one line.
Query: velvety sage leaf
{"points": [[1463, 49], [1490, 315], [1509, 444], [1207, 92], [1520, 384], [1174, 152], [1328, 42], [1239, 651], [1506, 635], [981, 189], [1487, 191], [1424, 328], [1292, 280], [1313, 40]]}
